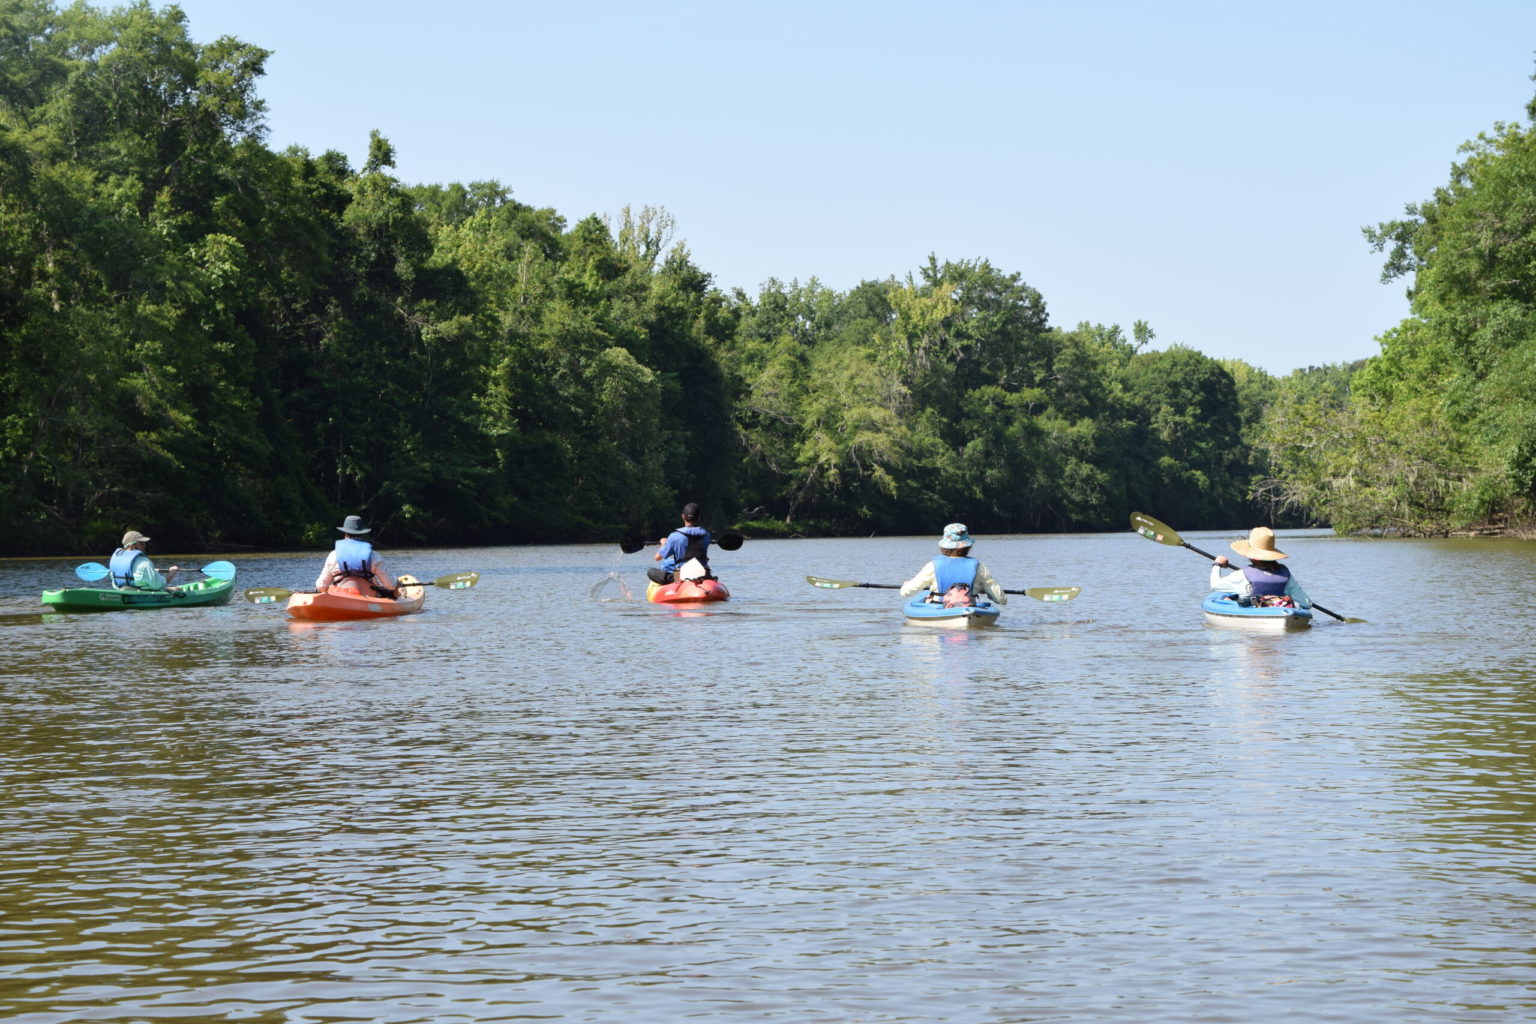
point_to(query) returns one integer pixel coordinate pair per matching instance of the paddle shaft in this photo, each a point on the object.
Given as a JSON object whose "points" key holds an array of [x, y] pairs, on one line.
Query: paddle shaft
{"points": [[92, 571], [1047, 594], [730, 540], [453, 581], [897, 586]]}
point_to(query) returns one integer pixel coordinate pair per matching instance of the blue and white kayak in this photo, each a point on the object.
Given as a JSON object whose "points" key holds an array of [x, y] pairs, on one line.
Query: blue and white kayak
{"points": [[1221, 609], [923, 612]]}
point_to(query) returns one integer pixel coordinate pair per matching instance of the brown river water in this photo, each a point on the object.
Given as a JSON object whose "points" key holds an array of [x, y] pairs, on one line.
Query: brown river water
{"points": [[540, 801]]}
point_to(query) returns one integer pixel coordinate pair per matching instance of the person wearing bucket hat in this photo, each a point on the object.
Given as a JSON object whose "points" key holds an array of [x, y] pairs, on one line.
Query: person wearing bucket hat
{"points": [[684, 544], [955, 577], [131, 567], [354, 565], [1264, 581]]}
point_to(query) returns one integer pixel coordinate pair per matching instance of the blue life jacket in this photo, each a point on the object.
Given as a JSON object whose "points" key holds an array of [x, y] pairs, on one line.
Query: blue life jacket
{"points": [[354, 558], [1270, 584], [695, 545], [123, 561], [949, 571]]}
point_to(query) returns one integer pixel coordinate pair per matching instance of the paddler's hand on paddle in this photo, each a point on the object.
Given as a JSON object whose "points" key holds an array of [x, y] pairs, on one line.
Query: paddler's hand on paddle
{"points": [[1221, 560]]}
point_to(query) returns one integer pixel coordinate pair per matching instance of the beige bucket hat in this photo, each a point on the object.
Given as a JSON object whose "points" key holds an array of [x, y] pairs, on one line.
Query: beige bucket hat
{"points": [[1260, 545]]}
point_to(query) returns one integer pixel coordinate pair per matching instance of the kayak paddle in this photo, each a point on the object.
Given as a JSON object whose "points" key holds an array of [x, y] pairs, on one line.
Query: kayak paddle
{"points": [[453, 581], [726, 541], [92, 571], [1038, 593], [1162, 533]]}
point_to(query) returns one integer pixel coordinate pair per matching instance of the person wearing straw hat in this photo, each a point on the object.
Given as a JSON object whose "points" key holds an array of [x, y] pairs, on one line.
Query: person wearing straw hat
{"points": [[955, 577], [1264, 581], [354, 565], [131, 567]]}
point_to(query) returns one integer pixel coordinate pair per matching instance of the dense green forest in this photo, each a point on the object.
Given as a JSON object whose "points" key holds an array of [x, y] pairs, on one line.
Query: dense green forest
{"points": [[225, 345], [1437, 433]]}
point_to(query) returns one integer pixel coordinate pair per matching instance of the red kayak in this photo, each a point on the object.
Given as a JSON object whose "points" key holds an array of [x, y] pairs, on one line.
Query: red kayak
{"points": [[687, 592], [334, 604]]}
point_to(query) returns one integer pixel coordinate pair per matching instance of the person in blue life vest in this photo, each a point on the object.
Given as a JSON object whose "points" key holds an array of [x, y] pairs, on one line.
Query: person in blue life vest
{"points": [[955, 577], [354, 565], [683, 544], [1264, 582], [131, 567]]}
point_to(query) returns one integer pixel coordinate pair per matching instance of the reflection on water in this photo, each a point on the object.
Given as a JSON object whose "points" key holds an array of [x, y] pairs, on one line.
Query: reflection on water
{"points": [[540, 799]]}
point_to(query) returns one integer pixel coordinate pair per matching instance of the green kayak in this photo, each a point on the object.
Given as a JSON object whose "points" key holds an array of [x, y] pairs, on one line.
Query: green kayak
{"points": [[100, 599]]}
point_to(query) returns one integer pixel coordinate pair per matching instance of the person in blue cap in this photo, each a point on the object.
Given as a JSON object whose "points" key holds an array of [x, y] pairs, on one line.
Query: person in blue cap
{"points": [[955, 577]]}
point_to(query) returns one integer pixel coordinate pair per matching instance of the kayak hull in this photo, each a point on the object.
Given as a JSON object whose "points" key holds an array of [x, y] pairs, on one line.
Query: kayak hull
{"points": [[687, 592], [922, 612], [341, 604], [202, 594], [1222, 609]]}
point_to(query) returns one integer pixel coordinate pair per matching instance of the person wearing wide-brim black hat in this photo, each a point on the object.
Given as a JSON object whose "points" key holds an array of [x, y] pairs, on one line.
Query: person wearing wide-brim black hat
{"points": [[685, 544], [1264, 581], [354, 565]]}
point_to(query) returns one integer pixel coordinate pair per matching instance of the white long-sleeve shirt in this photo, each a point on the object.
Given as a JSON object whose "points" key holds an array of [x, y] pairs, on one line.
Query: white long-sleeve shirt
{"points": [[330, 574], [928, 579], [147, 577]]}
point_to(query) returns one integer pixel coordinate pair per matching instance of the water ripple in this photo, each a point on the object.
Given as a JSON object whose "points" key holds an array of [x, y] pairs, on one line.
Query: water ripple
{"points": [[795, 809]]}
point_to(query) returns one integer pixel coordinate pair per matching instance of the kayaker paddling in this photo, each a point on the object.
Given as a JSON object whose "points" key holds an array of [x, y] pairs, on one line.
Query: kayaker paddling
{"points": [[131, 568], [354, 565], [689, 542], [955, 578], [1264, 582]]}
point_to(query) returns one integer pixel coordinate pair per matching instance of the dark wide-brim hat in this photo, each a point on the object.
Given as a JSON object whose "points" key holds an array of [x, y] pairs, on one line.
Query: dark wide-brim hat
{"points": [[354, 524]]}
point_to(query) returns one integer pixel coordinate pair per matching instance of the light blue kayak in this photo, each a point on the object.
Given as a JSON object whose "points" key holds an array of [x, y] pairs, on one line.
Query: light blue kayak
{"points": [[921, 611], [1222, 609]]}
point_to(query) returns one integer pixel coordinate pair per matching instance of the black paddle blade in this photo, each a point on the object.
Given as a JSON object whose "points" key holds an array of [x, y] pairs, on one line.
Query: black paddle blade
{"points": [[629, 545], [730, 541]]}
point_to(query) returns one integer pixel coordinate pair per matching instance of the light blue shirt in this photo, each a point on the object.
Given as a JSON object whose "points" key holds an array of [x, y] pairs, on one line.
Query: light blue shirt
{"points": [[1237, 583]]}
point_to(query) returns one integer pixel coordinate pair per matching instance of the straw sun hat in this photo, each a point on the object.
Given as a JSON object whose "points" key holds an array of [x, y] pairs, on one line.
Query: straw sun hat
{"points": [[1260, 545]]}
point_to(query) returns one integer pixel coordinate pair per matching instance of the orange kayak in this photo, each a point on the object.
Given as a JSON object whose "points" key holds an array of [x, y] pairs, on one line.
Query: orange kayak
{"points": [[335, 604], [687, 592]]}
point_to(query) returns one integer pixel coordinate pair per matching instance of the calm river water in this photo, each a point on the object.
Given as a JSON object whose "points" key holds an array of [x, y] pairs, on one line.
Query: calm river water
{"points": [[538, 801]]}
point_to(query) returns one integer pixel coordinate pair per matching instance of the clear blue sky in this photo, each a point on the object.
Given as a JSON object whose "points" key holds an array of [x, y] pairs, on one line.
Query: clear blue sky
{"points": [[1205, 167]]}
